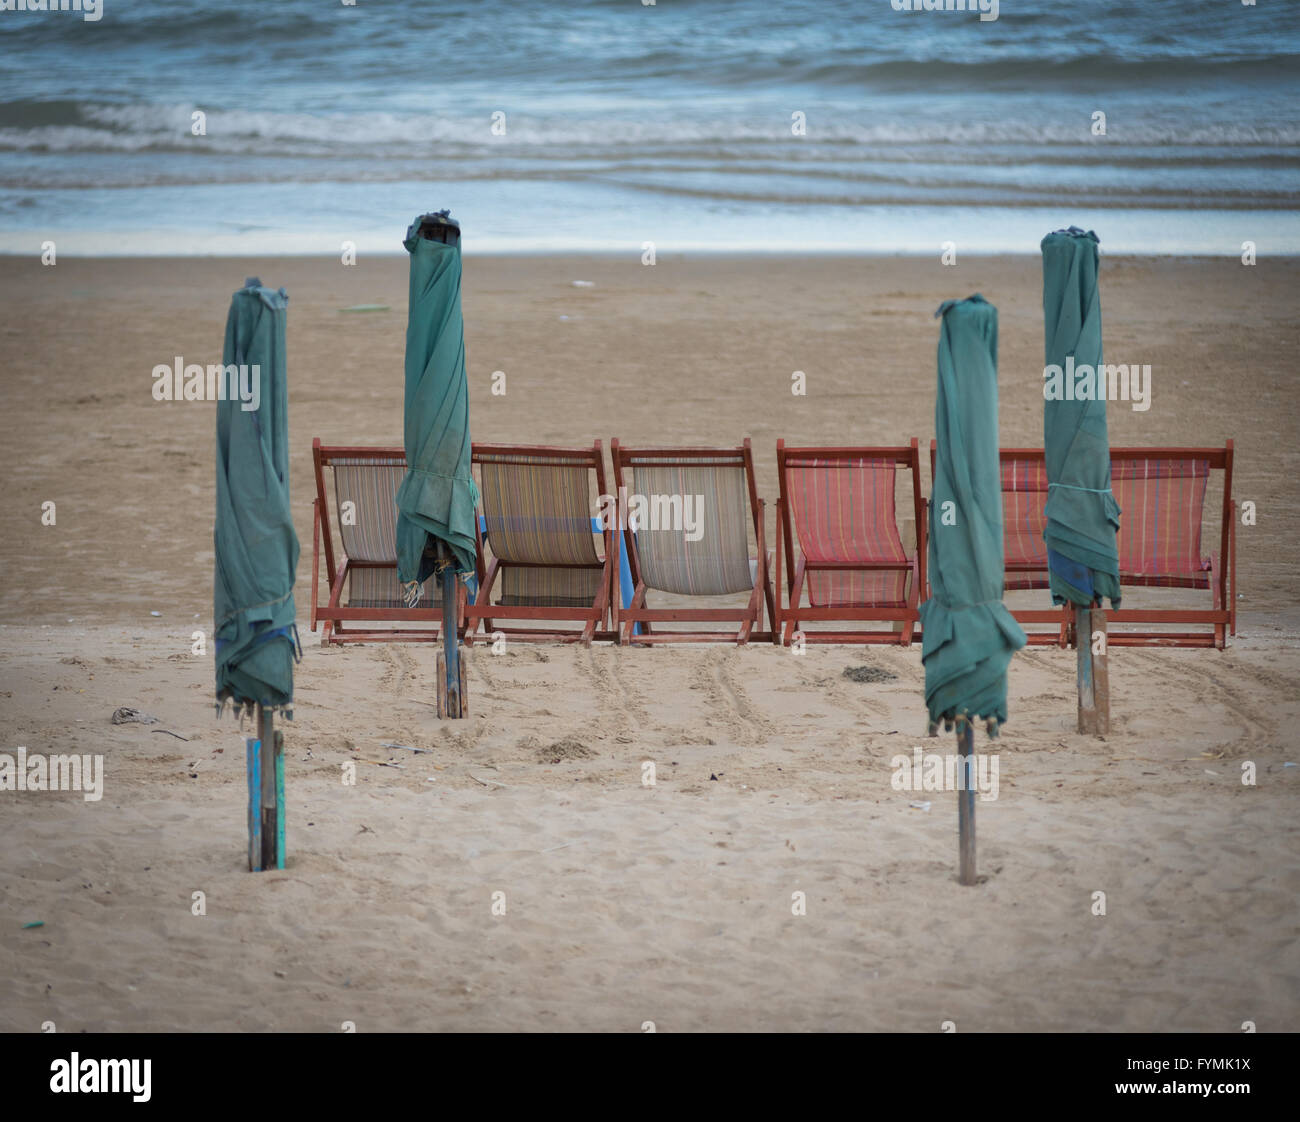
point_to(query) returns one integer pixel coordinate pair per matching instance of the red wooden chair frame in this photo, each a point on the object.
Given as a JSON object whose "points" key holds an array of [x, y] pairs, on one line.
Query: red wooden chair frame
{"points": [[796, 565], [1221, 578], [333, 615]]}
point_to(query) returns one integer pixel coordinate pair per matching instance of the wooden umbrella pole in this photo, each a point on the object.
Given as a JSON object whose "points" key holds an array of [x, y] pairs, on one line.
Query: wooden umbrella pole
{"points": [[966, 800], [267, 770], [451, 645], [1092, 673], [1100, 671]]}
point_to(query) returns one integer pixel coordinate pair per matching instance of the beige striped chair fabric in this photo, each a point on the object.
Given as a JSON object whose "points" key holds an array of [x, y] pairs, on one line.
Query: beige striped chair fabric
{"points": [[718, 563], [370, 485], [538, 518], [380, 588]]}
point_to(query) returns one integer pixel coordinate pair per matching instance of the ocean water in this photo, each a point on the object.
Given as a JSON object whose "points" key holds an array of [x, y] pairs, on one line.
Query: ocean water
{"points": [[821, 125]]}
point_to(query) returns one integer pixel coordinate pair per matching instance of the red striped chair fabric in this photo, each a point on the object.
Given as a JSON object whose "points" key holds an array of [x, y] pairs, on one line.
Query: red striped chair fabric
{"points": [[1024, 503], [843, 511], [1160, 525]]}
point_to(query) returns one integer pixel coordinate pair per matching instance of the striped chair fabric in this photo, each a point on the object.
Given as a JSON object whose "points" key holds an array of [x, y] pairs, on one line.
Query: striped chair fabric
{"points": [[1024, 505], [370, 485], [718, 563], [538, 517], [1160, 527], [843, 510], [380, 588]]}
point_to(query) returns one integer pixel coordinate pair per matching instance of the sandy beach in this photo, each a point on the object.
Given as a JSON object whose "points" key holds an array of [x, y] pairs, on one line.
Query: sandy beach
{"points": [[627, 904]]}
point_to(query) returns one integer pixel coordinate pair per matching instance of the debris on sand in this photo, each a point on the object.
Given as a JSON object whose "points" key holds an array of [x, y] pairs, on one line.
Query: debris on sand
{"points": [[125, 715], [869, 674], [567, 749]]}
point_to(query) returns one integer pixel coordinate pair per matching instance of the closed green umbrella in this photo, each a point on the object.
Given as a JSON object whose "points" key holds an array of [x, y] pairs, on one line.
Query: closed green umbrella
{"points": [[437, 500], [256, 548], [1082, 515], [968, 636]]}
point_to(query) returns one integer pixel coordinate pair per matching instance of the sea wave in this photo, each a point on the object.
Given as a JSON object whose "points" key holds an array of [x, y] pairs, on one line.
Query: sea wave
{"points": [[683, 106], [69, 126]]}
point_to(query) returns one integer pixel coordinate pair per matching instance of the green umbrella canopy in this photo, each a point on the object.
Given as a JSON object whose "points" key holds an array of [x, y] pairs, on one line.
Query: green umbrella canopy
{"points": [[437, 499], [1082, 515], [968, 634], [256, 546]]}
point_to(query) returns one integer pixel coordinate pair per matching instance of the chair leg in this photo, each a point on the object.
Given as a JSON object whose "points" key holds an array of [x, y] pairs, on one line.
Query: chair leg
{"points": [[753, 609], [796, 594], [462, 615], [335, 601], [905, 640], [637, 604], [1216, 592], [598, 616], [483, 598], [1231, 582], [778, 626], [767, 594], [600, 607], [315, 559]]}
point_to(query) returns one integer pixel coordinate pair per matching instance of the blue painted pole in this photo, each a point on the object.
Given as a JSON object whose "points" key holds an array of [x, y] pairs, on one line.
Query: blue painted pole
{"points": [[450, 641], [279, 799], [1083, 666], [966, 799], [253, 750]]}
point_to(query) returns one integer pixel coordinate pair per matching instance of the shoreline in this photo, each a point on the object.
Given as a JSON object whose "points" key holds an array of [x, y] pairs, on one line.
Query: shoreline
{"points": [[622, 254], [270, 221]]}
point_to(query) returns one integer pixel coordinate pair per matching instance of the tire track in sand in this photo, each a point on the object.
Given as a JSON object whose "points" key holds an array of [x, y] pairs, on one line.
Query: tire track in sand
{"points": [[1155, 669], [739, 711]]}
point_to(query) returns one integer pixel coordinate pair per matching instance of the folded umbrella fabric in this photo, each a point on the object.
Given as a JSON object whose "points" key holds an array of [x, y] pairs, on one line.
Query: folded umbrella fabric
{"points": [[253, 535], [1082, 514], [437, 500], [968, 634]]}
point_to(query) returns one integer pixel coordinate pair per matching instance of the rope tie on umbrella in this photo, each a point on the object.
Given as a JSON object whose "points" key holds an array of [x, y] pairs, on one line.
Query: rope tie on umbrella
{"points": [[411, 588], [1090, 490], [991, 726]]}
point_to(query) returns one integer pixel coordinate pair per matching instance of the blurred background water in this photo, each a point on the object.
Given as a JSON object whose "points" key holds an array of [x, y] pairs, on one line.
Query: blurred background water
{"points": [[672, 123]]}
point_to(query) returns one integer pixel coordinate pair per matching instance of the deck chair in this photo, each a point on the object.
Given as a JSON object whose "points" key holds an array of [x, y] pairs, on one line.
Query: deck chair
{"points": [[1161, 494], [362, 579], [537, 529], [718, 483], [837, 505]]}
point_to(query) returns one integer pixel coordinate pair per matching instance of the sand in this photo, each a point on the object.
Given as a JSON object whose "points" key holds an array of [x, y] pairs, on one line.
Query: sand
{"points": [[626, 904]]}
